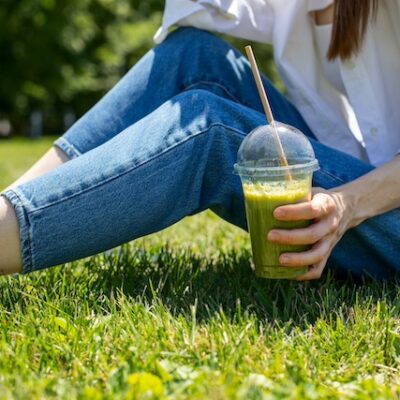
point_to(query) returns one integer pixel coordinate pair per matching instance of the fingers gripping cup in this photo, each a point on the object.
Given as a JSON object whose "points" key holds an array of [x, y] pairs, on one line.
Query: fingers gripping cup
{"points": [[267, 184]]}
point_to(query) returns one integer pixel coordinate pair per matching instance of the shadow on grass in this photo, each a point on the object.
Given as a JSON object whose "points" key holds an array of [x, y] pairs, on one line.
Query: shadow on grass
{"points": [[179, 278], [226, 282]]}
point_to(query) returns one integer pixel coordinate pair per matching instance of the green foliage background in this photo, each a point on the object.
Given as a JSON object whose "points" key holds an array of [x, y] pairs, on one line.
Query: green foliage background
{"points": [[63, 55]]}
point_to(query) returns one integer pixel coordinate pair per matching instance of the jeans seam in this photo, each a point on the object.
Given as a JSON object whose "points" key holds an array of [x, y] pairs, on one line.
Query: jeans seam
{"points": [[165, 151], [192, 85], [67, 147], [332, 175]]}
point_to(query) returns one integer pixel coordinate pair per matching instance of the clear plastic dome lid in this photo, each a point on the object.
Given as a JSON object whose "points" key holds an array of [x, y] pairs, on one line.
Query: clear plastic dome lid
{"points": [[259, 154]]}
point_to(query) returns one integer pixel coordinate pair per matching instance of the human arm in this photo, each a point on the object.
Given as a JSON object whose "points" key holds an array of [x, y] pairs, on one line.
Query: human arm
{"points": [[247, 19], [334, 212]]}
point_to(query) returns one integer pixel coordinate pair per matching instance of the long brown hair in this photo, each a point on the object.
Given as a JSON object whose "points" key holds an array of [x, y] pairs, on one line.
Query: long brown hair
{"points": [[351, 19]]}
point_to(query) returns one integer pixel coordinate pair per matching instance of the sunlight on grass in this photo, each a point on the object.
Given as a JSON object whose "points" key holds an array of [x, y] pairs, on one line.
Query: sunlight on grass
{"points": [[180, 314]]}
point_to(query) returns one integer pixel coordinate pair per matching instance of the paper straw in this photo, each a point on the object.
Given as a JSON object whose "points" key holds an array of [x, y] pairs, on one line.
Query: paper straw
{"points": [[267, 107]]}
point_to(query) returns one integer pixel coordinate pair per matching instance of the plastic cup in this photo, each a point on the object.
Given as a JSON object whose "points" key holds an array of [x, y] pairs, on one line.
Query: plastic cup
{"points": [[267, 185]]}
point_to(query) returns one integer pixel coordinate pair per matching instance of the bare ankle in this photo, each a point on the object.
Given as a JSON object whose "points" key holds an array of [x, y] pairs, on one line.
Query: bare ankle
{"points": [[10, 247]]}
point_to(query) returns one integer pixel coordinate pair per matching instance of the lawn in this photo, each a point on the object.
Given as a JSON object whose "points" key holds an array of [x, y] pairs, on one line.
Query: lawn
{"points": [[180, 315]]}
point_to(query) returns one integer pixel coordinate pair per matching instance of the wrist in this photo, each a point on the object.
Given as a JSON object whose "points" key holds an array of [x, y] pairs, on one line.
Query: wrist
{"points": [[351, 204]]}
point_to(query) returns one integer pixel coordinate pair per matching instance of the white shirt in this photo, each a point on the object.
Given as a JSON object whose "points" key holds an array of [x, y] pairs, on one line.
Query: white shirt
{"points": [[365, 122], [330, 68]]}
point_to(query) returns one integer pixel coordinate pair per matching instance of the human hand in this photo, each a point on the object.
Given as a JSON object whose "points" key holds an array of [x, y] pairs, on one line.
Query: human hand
{"points": [[331, 218]]}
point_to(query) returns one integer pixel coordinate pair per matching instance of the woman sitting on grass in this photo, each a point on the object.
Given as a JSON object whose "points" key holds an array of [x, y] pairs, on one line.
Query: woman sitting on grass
{"points": [[162, 143]]}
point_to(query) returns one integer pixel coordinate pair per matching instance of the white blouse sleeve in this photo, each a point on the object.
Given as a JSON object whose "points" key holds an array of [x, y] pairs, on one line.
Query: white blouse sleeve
{"points": [[246, 19]]}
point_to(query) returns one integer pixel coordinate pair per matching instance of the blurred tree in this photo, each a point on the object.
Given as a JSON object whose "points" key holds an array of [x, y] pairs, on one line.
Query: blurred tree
{"points": [[59, 56], [62, 55]]}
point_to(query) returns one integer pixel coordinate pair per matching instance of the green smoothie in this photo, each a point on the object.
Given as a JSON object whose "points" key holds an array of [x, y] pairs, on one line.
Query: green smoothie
{"points": [[261, 199]]}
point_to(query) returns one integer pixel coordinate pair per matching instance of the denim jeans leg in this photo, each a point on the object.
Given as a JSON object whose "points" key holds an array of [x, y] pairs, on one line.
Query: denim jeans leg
{"points": [[188, 59], [174, 162]]}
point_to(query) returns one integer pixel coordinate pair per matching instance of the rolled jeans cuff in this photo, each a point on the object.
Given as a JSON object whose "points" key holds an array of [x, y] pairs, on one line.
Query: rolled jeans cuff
{"points": [[17, 200], [68, 148]]}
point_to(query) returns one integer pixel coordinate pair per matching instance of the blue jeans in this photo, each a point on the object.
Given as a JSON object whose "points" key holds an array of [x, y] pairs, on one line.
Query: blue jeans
{"points": [[160, 146]]}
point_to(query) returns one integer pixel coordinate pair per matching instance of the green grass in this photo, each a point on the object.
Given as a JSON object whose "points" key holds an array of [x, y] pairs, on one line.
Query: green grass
{"points": [[180, 314]]}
